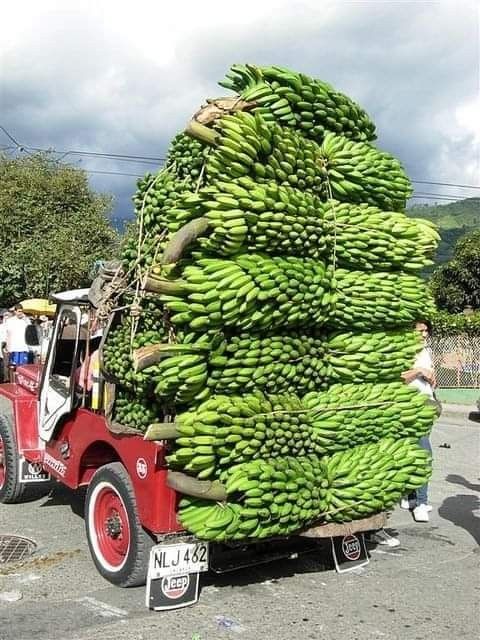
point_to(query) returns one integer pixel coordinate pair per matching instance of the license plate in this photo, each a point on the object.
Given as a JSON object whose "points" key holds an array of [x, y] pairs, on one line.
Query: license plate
{"points": [[171, 559]]}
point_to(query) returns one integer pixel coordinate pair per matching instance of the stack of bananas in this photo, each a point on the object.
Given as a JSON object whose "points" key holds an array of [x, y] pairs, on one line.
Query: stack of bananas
{"points": [[202, 364], [265, 498], [372, 477], [244, 145], [375, 299], [357, 173], [283, 495], [225, 430], [250, 291], [134, 411], [245, 215], [274, 363], [185, 158], [276, 246], [370, 356], [298, 101], [370, 239]]}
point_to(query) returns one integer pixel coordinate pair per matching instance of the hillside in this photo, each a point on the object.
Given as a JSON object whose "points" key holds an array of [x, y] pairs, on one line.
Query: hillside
{"points": [[454, 220]]}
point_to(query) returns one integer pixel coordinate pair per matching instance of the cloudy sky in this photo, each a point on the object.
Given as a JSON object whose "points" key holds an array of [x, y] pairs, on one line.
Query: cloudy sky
{"points": [[123, 78]]}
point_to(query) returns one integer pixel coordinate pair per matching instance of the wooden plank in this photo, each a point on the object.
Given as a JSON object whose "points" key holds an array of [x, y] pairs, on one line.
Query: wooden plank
{"points": [[333, 529]]}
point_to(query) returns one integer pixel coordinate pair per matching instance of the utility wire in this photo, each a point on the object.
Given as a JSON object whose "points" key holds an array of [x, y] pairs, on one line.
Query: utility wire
{"points": [[447, 184], [137, 159]]}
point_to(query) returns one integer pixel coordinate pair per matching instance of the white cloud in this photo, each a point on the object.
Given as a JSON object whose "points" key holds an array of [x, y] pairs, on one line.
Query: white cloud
{"points": [[125, 77]]}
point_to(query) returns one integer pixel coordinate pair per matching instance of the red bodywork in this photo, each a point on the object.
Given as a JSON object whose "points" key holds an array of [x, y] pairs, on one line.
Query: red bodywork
{"points": [[83, 443]]}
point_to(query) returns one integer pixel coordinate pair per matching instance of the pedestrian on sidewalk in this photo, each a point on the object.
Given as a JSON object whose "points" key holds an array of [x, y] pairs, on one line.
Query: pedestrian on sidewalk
{"points": [[422, 378], [18, 350]]}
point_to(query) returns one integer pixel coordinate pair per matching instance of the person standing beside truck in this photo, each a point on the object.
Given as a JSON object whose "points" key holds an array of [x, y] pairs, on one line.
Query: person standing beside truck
{"points": [[3, 343], [18, 350], [422, 378]]}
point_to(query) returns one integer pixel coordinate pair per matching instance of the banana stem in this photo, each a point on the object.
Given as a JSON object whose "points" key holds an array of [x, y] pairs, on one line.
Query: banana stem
{"points": [[160, 285], [209, 490], [151, 354], [203, 133], [162, 431], [182, 238]]}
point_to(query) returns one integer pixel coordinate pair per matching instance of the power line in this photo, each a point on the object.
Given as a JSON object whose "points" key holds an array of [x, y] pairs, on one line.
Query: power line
{"points": [[437, 197], [137, 159], [113, 156], [444, 195], [447, 184], [113, 173]]}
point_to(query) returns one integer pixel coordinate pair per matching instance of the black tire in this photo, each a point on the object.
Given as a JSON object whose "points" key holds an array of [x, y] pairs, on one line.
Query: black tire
{"points": [[11, 491], [110, 493]]}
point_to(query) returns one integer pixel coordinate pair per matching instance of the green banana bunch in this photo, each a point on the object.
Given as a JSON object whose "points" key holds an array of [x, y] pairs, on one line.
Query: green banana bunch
{"points": [[279, 497], [198, 366], [272, 363], [181, 376], [244, 215], [250, 291], [185, 159], [378, 356], [373, 300], [346, 415], [120, 343], [358, 172], [280, 362], [154, 196], [225, 430], [298, 101], [132, 410], [367, 238], [373, 477]]}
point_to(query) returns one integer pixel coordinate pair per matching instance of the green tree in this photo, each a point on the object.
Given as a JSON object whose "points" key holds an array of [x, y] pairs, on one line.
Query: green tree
{"points": [[53, 228], [456, 284]]}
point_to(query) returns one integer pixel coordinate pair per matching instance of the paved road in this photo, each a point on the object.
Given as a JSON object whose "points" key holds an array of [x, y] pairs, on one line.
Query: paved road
{"points": [[429, 587]]}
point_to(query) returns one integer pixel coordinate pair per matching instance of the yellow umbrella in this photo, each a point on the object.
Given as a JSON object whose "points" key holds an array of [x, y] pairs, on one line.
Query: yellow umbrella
{"points": [[39, 307]]}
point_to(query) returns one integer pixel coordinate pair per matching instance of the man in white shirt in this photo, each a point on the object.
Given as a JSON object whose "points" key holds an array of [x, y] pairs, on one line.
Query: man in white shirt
{"points": [[17, 348], [3, 342], [421, 377]]}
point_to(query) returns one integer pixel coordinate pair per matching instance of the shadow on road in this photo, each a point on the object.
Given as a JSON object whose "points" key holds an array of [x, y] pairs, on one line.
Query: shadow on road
{"points": [[453, 478], [459, 510], [61, 495]]}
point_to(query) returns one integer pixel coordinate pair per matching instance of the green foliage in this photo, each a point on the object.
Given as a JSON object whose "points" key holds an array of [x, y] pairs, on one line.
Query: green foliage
{"points": [[54, 227], [452, 324], [454, 220], [456, 284]]}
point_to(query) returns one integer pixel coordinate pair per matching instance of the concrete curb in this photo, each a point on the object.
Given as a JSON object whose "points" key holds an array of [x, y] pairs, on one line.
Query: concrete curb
{"points": [[457, 408]]}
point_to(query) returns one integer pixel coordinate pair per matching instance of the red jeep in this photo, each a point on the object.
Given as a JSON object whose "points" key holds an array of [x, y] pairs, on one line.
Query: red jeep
{"points": [[48, 428]]}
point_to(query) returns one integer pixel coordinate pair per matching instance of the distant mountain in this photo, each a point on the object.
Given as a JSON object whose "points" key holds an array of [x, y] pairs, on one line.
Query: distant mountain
{"points": [[454, 221]]}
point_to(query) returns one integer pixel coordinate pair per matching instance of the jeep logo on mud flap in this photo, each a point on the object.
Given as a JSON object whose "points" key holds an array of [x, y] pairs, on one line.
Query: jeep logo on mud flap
{"points": [[142, 468], [351, 547], [34, 468], [175, 586]]}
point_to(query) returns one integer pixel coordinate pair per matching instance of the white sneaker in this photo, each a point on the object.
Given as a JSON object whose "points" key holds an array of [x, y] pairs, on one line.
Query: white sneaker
{"points": [[429, 507], [384, 538], [420, 513], [405, 504]]}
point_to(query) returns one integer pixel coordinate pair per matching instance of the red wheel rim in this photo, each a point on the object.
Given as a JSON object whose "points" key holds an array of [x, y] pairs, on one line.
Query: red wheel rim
{"points": [[112, 528], [3, 471]]}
